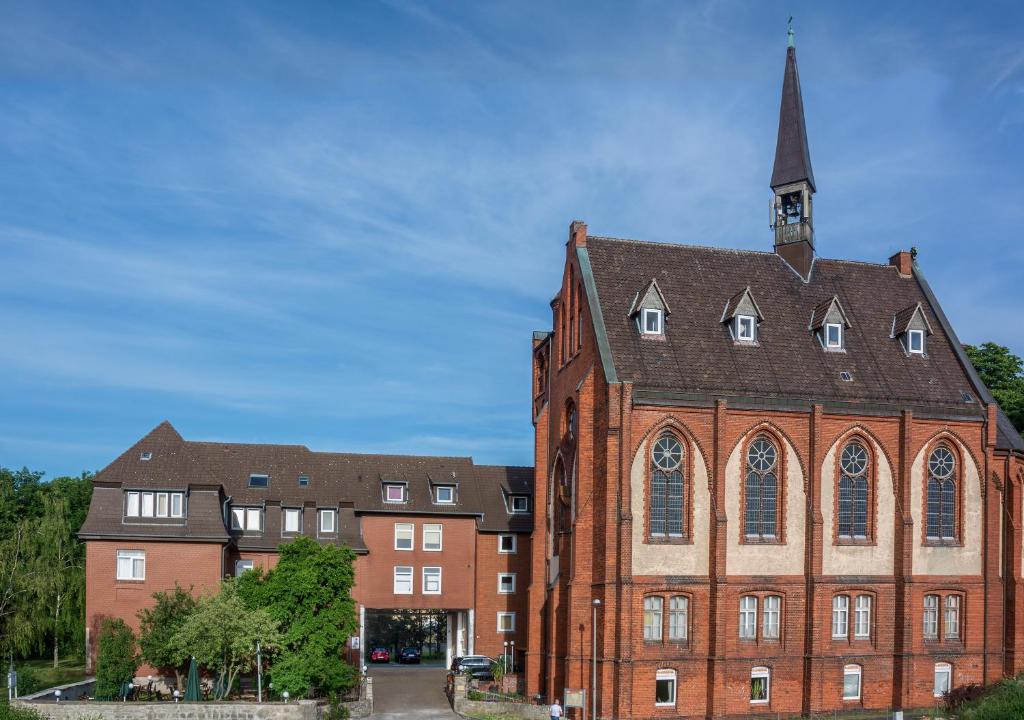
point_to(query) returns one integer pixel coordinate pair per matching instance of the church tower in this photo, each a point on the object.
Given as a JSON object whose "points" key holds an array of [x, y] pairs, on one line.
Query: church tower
{"points": [[792, 177]]}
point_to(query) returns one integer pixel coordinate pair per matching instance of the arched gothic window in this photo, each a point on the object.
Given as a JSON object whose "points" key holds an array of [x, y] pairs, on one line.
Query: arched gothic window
{"points": [[668, 488], [942, 479], [853, 491], [762, 489]]}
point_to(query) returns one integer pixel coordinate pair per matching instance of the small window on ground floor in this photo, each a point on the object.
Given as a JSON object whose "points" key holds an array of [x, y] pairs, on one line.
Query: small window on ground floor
{"points": [[851, 682], [507, 544], [131, 565], [943, 678], [241, 566], [760, 685], [506, 622], [665, 688]]}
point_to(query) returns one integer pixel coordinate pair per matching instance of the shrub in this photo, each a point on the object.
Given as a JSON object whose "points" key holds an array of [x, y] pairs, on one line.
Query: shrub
{"points": [[28, 681], [116, 661], [956, 697], [158, 626], [17, 712], [1001, 701]]}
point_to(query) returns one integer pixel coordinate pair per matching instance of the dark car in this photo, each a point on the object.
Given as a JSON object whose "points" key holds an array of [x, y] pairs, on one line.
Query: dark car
{"points": [[479, 666], [380, 655], [409, 655]]}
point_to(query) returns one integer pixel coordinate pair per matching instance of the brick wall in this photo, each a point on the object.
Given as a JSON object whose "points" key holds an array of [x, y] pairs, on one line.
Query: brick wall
{"points": [[489, 602]]}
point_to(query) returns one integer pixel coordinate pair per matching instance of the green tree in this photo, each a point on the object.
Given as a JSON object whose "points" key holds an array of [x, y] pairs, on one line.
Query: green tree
{"points": [[310, 593], [1003, 374], [159, 624], [221, 633], [116, 660]]}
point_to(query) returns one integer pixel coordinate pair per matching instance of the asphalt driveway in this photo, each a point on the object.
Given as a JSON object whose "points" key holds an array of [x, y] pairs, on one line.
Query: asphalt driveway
{"points": [[410, 692]]}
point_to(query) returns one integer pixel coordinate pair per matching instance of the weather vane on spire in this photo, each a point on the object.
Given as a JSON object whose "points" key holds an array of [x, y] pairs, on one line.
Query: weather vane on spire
{"points": [[789, 34]]}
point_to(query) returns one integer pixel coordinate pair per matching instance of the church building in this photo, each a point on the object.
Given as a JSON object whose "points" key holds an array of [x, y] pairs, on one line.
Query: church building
{"points": [[767, 482]]}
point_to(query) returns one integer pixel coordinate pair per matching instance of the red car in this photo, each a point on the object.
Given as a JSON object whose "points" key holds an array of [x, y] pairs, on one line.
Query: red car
{"points": [[380, 655]]}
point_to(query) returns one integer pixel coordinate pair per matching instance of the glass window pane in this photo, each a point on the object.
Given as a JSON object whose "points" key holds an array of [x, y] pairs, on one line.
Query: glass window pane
{"points": [[133, 505], [851, 684], [845, 507], [659, 483], [675, 503], [177, 505], [147, 504], [752, 511], [252, 520], [237, 518]]}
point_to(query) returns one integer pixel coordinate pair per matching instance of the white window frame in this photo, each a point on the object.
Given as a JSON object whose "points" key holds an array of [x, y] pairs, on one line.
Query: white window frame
{"points": [[250, 513], [163, 505], [930, 629], [323, 514], [512, 583], [238, 518], [388, 487], [862, 617], [771, 627], [129, 511], [526, 503], [751, 322], [405, 572], [748, 617], [919, 334], [678, 619], [511, 617], [515, 544], [659, 316], [838, 345], [654, 609], [451, 495], [946, 669], [849, 671], [665, 676], [766, 673], [291, 513], [431, 528], [405, 532], [136, 560], [242, 566], [431, 573], [179, 499], [263, 481], [840, 617], [148, 504], [951, 610]]}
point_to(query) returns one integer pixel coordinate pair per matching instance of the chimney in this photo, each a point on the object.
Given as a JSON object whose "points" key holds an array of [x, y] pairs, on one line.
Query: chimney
{"points": [[903, 261], [578, 233]]}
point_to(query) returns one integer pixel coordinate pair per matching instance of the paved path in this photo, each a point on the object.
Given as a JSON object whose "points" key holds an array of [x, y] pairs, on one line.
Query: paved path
{"points": [[410, 692]]}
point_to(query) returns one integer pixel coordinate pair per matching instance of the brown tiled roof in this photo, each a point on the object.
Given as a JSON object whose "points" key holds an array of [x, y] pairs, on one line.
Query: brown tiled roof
{"points": [[497, 483], [901, 320], [734, 302], [697, 355], [821, 311]]}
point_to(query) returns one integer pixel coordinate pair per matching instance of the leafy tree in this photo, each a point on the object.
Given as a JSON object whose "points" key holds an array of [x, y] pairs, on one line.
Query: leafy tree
{"points": [[221, 633], [1003, 373], [159, 624], [309, 593], [116, 660]]}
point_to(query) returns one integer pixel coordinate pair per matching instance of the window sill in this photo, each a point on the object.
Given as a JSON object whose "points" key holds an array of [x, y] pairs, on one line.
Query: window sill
{"points": [[668, 540], [758, 540], [126, 581], [855, 542], [942, 543]]}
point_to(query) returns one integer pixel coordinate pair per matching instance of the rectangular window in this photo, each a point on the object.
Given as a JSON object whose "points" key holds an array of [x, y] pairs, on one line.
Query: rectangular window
{"points": [[177, 505], [432, 538], [506, 622], [404, 536], [851, 682], [403, 580], [242, 566], [431, 581], [506, 583], [760, 685], [259, 481], [132, 505], [665, 688], [394, 493], [952, 617], [745, 328], [237, 518], [444, 494], [303, 480], [327, 524], [147, 504], [292, 520], [833, 335], [915, 342], [652, 618], [507, 544], [862, 617], [253, 520], [678, 618], [748, 617], [772, 610], [651, 321], [163, 507], [131, 565], [943, 679], [840, 616], [931, 616], [520, 504]]}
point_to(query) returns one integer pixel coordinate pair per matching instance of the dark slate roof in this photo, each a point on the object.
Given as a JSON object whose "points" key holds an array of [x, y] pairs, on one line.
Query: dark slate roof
{"points": [[734, 302], [822, 309], [901, 320], [1007, 437], [698, 356], [500, 481], [792, 156]]}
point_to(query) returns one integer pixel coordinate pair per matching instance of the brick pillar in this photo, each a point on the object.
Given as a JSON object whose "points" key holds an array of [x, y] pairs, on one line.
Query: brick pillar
{"points": [[621, 406], [813, 543], [536, 640], [717, 570], [902, 566], [993, 519]]}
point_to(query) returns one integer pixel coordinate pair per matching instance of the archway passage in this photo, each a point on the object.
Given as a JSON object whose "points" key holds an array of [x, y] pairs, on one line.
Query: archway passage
{"points": [[396, 630]]}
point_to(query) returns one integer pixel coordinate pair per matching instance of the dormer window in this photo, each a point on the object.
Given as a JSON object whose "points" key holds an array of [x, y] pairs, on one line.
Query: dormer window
{"points": [[303, 480], [834, 336], [259, 481], [520, 503], [444, 494], [915, 342], [741, 315], [146, 456], [653, 321], [394, 493], [912, 328], [746, 328], [829, 323]]}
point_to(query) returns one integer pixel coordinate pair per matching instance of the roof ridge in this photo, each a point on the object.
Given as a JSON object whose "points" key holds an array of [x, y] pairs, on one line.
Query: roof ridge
{"points": [[328, 452], [681, 245]]}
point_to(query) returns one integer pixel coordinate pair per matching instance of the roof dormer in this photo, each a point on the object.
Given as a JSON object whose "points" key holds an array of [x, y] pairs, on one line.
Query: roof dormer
{"points": [[911, 327], [829, 324], [743, 316], [649, 311]]}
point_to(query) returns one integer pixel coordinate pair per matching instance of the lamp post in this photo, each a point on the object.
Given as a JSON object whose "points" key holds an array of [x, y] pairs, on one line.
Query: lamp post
{"points": [[504, 655], [513, 650], [285, 696], [593, 663], [57, 693], [259, 672], [177, 695]]}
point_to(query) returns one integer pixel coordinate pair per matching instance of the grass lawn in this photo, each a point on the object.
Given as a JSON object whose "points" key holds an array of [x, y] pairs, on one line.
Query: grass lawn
{"points": [[71, 669]]}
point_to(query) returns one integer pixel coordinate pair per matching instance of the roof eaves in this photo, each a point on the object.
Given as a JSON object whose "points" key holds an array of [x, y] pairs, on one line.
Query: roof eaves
{"points": [[600, 331]]}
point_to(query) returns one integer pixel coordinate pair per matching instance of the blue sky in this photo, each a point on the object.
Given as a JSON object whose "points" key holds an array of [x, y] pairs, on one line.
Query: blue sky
{"points": [[337, 224]]}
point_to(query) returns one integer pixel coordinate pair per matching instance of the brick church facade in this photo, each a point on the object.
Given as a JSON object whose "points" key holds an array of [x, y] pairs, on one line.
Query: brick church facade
{"points": [[777, 474]]}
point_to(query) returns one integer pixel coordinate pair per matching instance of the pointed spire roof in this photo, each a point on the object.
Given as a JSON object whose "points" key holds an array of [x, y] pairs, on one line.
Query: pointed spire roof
{"points": [[792, 156]]}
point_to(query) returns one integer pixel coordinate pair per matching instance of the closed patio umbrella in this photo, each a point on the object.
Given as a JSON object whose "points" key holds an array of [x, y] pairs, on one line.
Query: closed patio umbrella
{"points": [[192, 688]]}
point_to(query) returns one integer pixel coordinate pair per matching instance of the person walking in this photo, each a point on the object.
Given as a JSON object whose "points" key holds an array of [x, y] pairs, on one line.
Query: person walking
{"points": [[556, 710]]}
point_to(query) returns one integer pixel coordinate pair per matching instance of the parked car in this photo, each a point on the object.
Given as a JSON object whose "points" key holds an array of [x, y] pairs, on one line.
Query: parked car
{"points": [[409, 655], [380, 655], [479, 666]]}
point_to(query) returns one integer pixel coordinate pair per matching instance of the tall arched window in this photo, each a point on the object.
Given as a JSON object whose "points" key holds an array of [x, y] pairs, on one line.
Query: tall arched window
{"points": [[762, 489], [941, 522], [668, 490], [853, 491]]}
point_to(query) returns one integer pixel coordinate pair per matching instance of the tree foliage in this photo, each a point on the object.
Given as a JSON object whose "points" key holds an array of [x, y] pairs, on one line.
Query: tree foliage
{"points": [[309, 593], [221, 633], [1003, 374], [159, 624], [116, 659]]}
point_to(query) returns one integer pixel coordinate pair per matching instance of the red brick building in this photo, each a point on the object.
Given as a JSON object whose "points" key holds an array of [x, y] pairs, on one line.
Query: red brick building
{"points": [[778, 474], [430, 533]]}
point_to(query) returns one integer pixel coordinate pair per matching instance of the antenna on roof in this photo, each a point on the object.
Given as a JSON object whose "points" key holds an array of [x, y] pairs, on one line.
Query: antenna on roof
{"points": [[789, 34]]}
